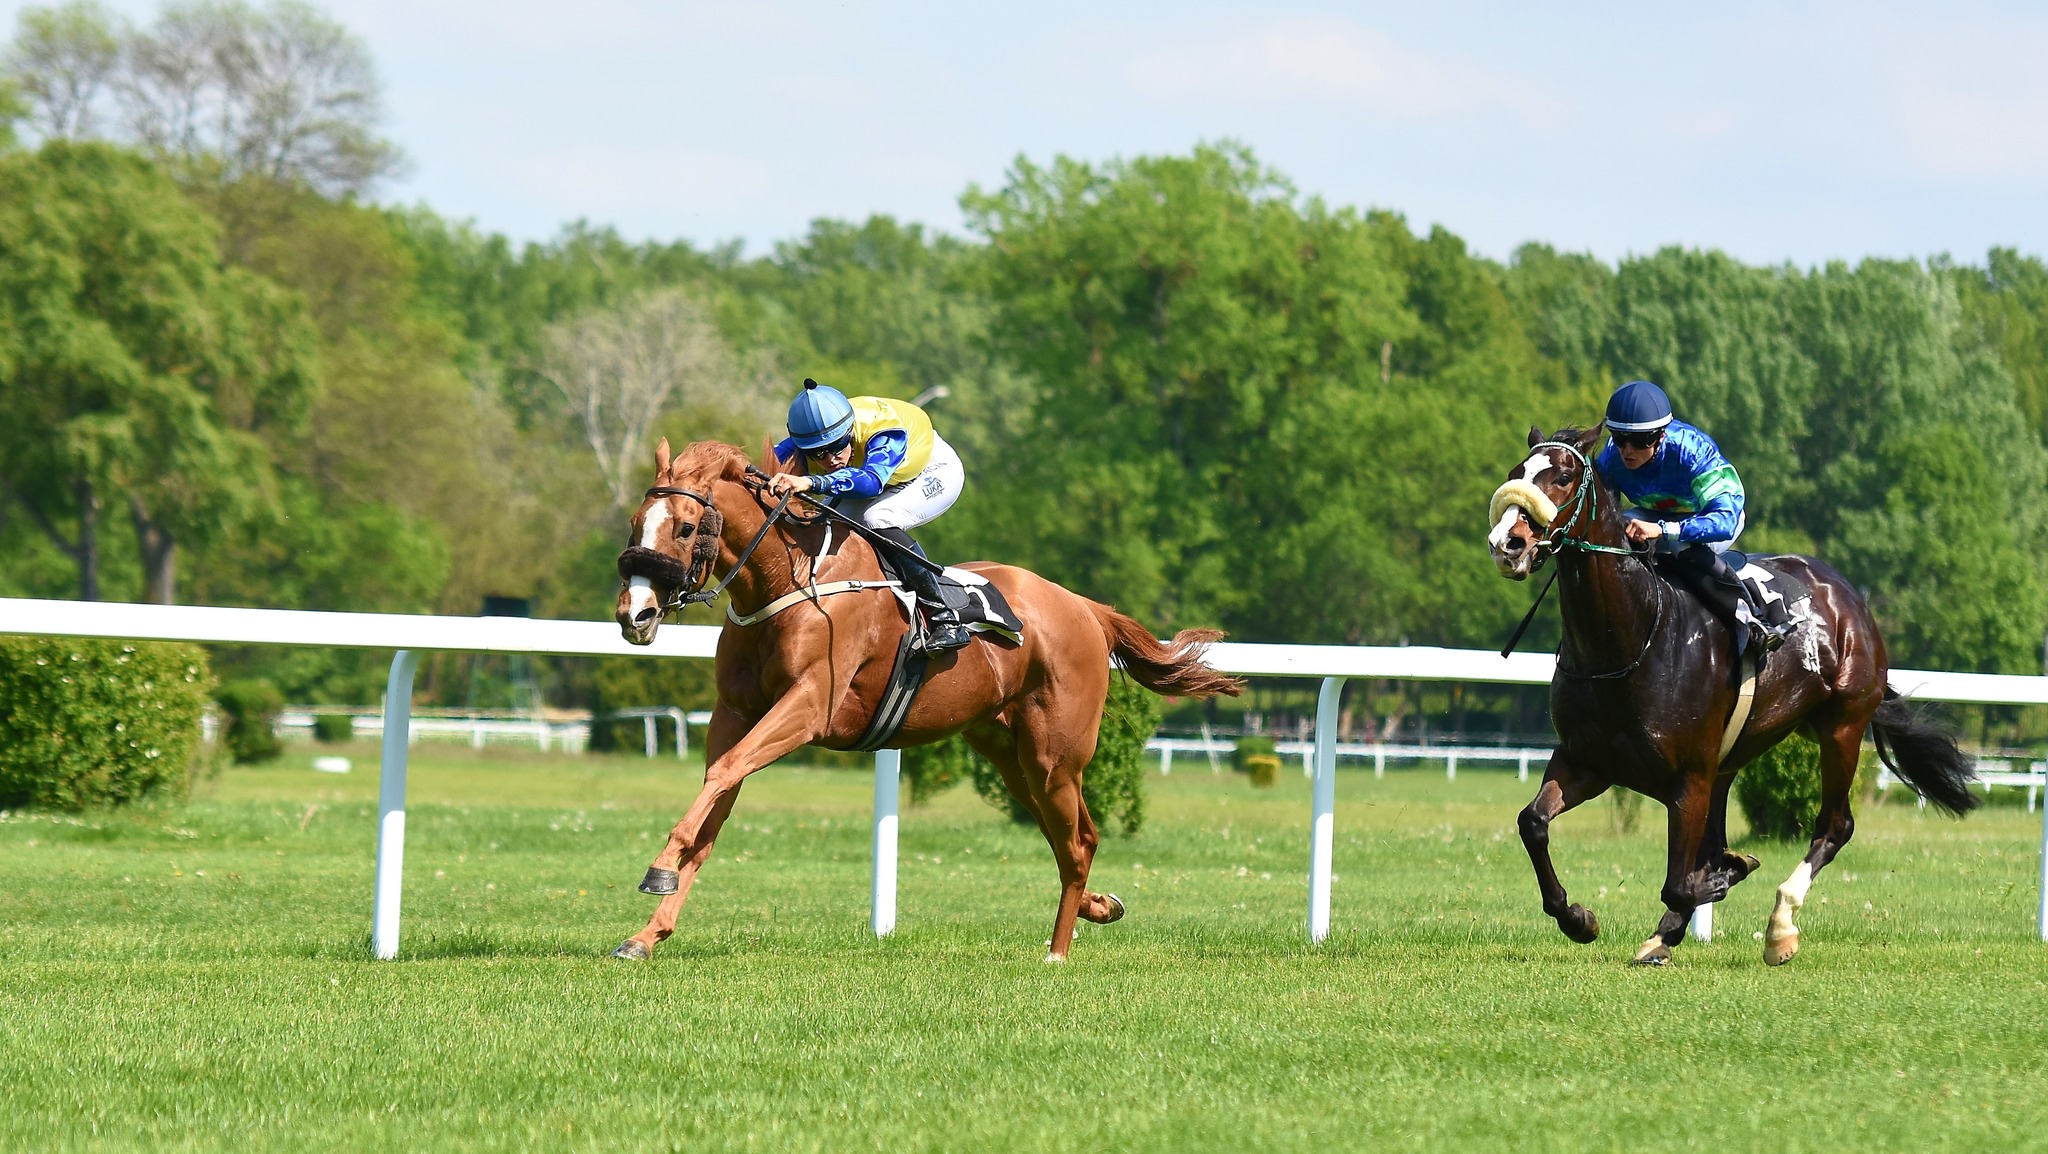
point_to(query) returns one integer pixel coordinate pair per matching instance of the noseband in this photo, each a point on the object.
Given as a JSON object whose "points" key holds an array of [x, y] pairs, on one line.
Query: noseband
{"points": [[686, 580]]}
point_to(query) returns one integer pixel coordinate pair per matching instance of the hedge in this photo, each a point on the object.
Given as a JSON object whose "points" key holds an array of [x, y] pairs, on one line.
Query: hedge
{"points": [[98, 722], [1113, 786]]}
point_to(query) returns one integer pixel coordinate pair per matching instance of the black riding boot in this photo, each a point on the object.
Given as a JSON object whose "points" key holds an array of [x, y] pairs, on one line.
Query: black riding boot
{"points": [[943, 630], [1706, 574], [1773, 614]]}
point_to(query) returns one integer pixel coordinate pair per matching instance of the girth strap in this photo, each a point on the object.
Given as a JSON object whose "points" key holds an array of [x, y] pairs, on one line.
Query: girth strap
{"points": [[905, 679], [1745, 697], [807, 593]]}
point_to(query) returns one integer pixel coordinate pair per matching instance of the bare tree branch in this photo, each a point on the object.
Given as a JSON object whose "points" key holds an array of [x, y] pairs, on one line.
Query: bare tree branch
{"points": [[620, 371]]}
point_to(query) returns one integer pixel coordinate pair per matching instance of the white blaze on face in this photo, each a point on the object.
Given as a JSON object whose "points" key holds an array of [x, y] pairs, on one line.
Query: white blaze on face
{"points": [[1535, 465], [641, 589], [1499, 537]]}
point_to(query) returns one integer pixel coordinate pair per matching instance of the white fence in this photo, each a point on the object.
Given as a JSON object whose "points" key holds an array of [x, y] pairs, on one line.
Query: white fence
{"points": [[409, 636], [1377, 753]]}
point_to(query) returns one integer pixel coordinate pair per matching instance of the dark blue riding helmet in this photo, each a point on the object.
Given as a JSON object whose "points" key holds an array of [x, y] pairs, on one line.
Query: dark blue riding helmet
{"points": [[1638, 407]]}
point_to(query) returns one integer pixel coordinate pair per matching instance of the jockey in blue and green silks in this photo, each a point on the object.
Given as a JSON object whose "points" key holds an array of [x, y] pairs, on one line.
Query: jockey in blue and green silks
{"points": [[1688, 504], [880, 461]]}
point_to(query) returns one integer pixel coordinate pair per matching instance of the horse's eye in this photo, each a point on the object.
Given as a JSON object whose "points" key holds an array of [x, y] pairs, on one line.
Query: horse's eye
{"points": [[685, 530]]}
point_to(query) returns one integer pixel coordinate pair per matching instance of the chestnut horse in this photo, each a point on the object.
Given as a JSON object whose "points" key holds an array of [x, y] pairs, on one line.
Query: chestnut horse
{"points": [[1646, 683], [814, 673]]}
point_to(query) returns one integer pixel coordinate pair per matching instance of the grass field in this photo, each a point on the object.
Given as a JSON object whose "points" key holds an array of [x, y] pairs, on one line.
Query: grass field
{"points": [[196, 978]]}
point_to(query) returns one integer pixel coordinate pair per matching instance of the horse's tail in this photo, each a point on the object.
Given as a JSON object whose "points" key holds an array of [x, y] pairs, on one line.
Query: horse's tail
{"points": [[1923, 754], [1170, 669]]}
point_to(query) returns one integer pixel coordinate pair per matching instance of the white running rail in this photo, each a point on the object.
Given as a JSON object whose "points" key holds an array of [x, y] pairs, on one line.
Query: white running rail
{"points": [[411, 635]]}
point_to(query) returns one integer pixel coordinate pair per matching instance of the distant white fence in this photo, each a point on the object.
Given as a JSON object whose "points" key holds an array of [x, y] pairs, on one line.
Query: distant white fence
{"points": [[1376, 752], [562, 736], [410, 635]]}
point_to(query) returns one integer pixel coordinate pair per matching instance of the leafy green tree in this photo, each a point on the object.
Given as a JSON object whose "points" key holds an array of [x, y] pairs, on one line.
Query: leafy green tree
{"points": [[132, 366]]}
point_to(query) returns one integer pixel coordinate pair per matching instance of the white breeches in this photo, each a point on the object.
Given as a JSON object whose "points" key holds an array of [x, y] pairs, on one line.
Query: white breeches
{"points": [[919, 500]]}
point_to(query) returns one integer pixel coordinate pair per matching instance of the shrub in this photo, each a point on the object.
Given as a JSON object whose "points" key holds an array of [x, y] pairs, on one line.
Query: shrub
{"points": [[1114, 784], [930, 770], [1780, 791], [333, 728], [252, 705], [1257, 757], [98, 722]]}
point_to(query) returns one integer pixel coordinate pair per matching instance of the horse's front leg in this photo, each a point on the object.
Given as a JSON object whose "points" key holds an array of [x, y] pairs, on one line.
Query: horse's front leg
{"points": [[1684, 877], [1564, 786], [734, 751]]}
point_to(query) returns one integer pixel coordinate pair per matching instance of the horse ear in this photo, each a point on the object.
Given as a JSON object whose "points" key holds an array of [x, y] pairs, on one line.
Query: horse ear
{"points": [[1535, 436], [1590, 439], [661, 460], [770, 463]]}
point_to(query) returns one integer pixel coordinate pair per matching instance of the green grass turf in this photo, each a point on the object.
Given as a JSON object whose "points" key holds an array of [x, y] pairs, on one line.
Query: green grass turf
{"points": [[196, 977]]}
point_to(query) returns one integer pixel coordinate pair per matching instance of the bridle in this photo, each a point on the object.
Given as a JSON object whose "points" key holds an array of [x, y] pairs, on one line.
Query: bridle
{"points": [[1584, 504], [686, 580]]}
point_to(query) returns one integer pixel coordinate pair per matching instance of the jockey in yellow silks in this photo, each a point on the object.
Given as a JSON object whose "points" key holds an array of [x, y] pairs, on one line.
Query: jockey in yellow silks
{"points": [[880, 461]]}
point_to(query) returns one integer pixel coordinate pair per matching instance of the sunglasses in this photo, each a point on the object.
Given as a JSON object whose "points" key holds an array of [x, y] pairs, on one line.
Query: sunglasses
{"points": [[823, 451], [1639, 440]]}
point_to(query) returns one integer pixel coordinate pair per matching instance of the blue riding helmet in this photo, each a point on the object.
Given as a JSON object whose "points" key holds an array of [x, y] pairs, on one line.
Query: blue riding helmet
{"points": [[1638, 407], [819, 416]]}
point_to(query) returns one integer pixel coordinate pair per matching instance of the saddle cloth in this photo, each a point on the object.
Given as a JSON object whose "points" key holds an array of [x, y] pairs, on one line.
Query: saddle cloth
{"points": [[979, 604], [1772, 585]]}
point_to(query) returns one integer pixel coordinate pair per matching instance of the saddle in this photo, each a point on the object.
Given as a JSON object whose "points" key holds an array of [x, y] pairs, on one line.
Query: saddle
{"points": [[978, 603], [980, 607]]}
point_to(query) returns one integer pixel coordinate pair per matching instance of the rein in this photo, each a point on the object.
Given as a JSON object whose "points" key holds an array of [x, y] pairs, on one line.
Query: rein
{"points": [[1585, 502]]}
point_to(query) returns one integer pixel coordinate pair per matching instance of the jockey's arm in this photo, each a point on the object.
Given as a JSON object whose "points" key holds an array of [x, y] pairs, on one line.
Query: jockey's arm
{"points": [[1717, 500], [885, 453]]}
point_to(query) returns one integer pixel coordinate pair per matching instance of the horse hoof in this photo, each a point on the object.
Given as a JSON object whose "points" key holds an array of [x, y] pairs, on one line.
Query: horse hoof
{"points": [[1055, 959], [631, 950], [660, 882], [1579, 924], [1116, 910], [1777, 953], [1653, 953]]}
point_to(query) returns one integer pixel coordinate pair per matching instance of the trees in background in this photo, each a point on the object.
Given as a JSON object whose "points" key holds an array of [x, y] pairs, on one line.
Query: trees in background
{"points": [[1178, 384], [138, 373]]}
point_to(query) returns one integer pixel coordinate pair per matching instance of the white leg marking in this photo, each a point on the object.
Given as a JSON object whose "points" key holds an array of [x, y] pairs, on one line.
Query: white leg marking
{"points": [[1781, 937]]}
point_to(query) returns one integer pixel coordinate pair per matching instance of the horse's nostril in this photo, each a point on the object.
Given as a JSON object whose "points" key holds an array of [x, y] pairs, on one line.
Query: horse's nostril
{"points": [[646, 615], [1512, 545]]}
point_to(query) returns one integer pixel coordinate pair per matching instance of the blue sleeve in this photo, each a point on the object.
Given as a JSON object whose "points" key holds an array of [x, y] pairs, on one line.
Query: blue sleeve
{"points": [[1717, 495], [885, 453], [1608, 466], [787, 452]]}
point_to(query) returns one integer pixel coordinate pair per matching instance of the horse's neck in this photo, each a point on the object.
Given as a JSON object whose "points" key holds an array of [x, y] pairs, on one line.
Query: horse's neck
{"points": [[788, 557], [1609, 602]]}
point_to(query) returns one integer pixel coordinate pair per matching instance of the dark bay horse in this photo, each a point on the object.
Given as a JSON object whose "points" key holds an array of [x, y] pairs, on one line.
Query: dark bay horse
{"points": [[814, 672], [1646, 683]]}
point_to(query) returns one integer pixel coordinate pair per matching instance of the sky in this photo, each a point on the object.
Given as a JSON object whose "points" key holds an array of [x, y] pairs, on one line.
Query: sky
{"points": [[1786, 132]]}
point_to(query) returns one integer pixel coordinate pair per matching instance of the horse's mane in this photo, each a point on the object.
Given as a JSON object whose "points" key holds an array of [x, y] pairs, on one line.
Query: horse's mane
{"points": [[1573, 434], [711, 460]]}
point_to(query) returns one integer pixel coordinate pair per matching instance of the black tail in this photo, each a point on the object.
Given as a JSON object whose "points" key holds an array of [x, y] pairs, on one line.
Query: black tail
{"points": [[1923, 754]]}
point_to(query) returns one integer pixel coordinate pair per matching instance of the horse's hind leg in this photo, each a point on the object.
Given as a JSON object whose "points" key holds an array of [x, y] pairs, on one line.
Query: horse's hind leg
{"points": [[1564, 786], [1841, 744], [1052, 752]]}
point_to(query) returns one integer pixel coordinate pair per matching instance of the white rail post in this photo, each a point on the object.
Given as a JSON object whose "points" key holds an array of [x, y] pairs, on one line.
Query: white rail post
{"points": [[2041, 919], [888, 763], [1323, 809], [391, 804]]}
